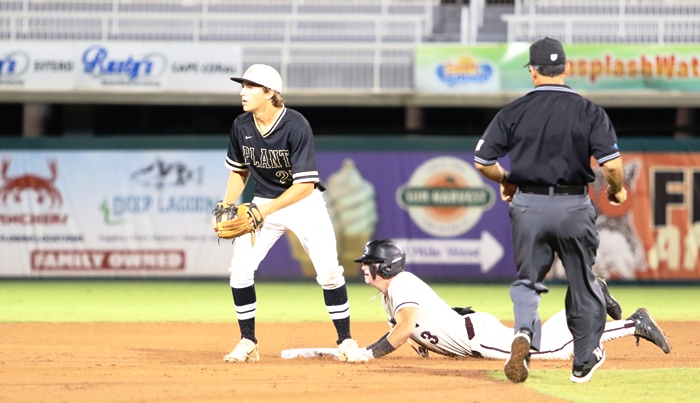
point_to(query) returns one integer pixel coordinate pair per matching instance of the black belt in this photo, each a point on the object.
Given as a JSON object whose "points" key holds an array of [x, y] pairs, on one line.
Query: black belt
{"points": [[565, 190]]}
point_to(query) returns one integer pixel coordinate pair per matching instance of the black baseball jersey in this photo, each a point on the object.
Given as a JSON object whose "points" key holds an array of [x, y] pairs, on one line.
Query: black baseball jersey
{"points": [[281, 157], [554, 149]]}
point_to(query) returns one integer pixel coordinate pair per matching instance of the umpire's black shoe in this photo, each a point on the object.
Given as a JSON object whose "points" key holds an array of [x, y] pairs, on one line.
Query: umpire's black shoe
{"points": [[647, 329], [517, 366], [583, 373], [611, 305]]}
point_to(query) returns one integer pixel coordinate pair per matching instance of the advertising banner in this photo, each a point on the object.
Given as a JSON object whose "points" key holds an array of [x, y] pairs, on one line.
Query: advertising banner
{"points": [[459, 69], [119, 66], [655, 234], [37, 66], [146, 213], [98, 213], [92, 213], [436, 204], [489, 68]]}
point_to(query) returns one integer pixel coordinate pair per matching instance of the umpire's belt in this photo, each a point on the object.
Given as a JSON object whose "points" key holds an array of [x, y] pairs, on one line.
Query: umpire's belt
{"points": [[566, 190]]}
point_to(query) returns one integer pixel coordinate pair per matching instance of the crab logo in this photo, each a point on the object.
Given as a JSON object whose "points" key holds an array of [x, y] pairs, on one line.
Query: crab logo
{"points": [[15, 186]]}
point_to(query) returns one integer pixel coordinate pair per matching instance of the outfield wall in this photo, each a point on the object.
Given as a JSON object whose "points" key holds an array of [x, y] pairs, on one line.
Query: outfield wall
{"points": [[140, 206]]}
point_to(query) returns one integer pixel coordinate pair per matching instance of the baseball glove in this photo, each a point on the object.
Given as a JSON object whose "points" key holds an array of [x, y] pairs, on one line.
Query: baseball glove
{"points": [[233, 221]]}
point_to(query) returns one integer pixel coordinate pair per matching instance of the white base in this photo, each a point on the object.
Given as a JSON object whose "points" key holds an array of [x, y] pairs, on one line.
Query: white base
{"points": [[309, 353]]}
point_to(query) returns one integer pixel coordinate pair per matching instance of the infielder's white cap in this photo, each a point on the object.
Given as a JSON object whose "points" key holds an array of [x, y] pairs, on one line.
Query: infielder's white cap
{"points": [[262, 74]]}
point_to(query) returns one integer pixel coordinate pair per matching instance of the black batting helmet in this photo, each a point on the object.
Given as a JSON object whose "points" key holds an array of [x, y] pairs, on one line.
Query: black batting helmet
{"points": [[389, 255]]}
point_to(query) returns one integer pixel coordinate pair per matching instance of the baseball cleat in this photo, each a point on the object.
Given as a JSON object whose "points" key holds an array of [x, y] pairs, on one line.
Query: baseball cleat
{"points": [[516, 368], [245, 351], [583, 374], [647, 329], [348, 351], [611, 305]]}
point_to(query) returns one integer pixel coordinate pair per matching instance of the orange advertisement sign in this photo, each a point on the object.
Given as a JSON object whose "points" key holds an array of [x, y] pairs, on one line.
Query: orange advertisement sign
{"points": [[655, 234]]}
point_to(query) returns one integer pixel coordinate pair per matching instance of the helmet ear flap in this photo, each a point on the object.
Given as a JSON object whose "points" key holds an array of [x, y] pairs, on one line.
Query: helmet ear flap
{"points": [[394, 264], [384, 270]]}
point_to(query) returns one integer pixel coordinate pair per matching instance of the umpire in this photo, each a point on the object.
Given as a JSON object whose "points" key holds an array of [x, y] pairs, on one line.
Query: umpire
{"points": [[550, 135]]}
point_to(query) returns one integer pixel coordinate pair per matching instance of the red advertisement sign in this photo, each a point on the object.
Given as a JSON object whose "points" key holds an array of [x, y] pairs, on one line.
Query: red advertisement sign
{"points": [[121, 260]]}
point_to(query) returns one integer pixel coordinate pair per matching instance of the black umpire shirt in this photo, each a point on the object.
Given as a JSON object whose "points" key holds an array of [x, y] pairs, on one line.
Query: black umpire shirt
{"points": [[550, 135]]}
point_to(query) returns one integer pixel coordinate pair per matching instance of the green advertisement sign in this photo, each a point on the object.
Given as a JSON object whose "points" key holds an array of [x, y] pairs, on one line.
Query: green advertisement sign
{"points": [[499, 67]]}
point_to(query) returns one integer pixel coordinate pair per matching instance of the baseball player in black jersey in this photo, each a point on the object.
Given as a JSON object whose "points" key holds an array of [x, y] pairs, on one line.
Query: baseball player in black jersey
{"points": [[275, 145], [550, 135]]}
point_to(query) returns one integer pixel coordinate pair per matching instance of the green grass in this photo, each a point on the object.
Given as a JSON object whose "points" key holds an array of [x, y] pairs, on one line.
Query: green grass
{"points": [[210, 301], [162, 301], [617, 386]]}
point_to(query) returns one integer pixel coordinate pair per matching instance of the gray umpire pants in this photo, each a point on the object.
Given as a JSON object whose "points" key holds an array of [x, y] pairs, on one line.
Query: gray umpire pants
{"points": [[543, 225]]}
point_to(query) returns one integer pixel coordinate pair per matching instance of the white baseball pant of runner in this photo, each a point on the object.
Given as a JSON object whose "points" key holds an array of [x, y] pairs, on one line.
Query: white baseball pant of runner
{"points": [[493, 339], [308, 219]]}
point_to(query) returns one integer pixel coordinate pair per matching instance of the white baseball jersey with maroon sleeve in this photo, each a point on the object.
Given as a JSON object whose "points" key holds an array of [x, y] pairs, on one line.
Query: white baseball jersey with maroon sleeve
{"points": [[438, 328], [442, 330]]}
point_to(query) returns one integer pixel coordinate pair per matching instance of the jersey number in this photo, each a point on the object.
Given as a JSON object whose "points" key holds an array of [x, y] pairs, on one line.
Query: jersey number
{"points": [[285, 176], [432, 339]]}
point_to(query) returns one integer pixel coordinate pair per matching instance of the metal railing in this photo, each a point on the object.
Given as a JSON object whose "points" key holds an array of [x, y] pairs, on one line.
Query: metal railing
{"points": [[606, 21], [311, 51], [599, 7], [604, 28], [158, 6], [471, 20], [198, 27]]}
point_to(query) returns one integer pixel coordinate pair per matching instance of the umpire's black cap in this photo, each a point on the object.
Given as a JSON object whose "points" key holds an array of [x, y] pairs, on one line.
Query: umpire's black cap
{"points": [[546, 52]]}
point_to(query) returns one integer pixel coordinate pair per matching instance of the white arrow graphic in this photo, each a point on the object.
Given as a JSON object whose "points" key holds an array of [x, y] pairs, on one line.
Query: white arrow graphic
{"points": [[491, 251], [485, 251]]}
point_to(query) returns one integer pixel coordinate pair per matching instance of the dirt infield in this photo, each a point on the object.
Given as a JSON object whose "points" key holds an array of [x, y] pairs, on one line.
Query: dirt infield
{"points": [[168, 362]]}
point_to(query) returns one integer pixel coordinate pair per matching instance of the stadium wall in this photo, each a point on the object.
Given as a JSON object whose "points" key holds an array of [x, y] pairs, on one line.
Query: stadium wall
{"points": [[140, 207]]}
